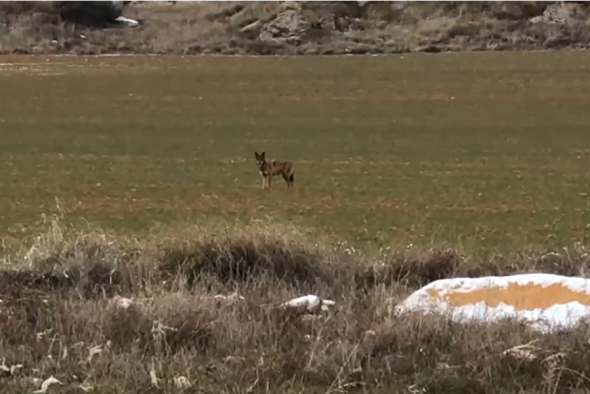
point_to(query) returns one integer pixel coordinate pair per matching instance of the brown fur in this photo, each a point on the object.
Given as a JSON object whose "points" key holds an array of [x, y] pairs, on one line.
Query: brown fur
{"points": [[268, 169]]}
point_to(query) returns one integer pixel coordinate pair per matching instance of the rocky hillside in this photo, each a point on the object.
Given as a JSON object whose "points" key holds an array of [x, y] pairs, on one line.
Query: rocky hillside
{"points": [[291, 27]]}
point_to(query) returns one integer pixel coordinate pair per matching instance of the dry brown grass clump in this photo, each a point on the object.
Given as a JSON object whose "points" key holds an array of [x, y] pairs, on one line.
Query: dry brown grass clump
{"points": [[61, 315]]}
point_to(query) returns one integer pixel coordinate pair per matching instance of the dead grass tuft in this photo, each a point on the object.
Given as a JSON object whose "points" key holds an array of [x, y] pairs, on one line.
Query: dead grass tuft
{"points": [[240, 261]]}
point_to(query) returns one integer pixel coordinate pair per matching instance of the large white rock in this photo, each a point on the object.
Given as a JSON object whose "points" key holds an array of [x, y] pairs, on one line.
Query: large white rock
{"points": [[545, 301]]}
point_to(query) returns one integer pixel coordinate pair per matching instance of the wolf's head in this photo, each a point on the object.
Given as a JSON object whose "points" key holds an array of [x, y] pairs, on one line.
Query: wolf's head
{"points": [[260, 158]]}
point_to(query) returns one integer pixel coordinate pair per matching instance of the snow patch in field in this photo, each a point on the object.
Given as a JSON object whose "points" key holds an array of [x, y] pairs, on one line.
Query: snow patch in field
{"points": [[545, 301]]}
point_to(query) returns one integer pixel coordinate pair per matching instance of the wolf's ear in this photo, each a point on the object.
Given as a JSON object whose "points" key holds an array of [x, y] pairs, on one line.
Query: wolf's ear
{"points": [[262, 154], [255, 154]]}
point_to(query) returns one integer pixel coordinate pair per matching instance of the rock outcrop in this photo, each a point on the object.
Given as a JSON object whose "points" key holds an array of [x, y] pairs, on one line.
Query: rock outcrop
{"points": [[434, 27], [325, 27]]}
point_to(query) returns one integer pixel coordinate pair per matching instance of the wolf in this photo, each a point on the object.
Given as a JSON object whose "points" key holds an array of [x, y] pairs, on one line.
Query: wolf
{"points": [[268, 169]]}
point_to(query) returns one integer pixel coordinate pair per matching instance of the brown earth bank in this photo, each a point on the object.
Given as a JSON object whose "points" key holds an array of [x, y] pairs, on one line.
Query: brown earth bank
{"points": [[61, 317], [291, 27]]}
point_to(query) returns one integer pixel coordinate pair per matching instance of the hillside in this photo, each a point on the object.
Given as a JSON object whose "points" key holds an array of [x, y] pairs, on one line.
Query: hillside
{"points": [[291, 27]]}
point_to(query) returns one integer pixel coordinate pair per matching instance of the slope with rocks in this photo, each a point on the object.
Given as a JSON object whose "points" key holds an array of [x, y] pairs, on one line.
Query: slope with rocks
{"points": [[291, 27]]}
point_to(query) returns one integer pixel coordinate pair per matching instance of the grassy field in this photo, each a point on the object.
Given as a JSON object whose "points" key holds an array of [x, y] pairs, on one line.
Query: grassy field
{"points": [[462, 164], [471, 150]]}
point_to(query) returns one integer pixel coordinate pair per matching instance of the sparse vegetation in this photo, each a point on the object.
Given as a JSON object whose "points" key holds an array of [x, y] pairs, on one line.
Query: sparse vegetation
{"points": [[288, 28]]}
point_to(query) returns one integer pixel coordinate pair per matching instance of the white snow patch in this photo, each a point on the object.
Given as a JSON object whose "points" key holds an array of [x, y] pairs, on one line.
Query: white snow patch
{"points": [[46, 383], [309, 302], [122, 302], [127, 22], [545, 316]]}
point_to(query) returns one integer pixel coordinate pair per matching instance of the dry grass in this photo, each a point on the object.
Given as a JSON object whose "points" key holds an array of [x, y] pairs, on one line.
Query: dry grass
{"points": [[59, 318]]}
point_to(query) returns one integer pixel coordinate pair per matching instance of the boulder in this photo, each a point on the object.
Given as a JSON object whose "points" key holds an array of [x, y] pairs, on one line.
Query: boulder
{"points": [[517, 10], [289, 26], [290, 5], [564, 13], [546, 302], [252, 30], [258, 11]]}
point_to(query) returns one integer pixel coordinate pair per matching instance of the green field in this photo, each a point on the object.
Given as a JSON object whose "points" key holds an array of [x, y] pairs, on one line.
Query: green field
{"points": [[478, 151], [148, 163]]}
